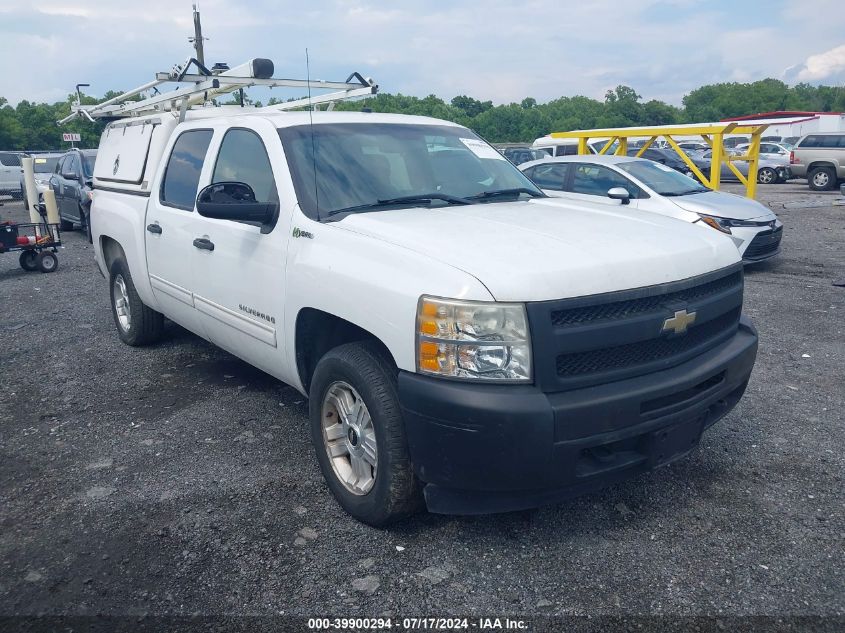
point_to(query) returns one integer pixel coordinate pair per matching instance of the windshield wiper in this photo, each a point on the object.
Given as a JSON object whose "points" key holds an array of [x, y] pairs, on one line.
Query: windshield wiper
{"points": [[515, 191], [684, 193], [389, 202]]}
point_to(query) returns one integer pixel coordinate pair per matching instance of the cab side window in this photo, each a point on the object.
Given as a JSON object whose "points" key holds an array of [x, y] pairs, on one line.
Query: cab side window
{"points": [[71, 164], [182, 173], [243, 158], [596, 180]]}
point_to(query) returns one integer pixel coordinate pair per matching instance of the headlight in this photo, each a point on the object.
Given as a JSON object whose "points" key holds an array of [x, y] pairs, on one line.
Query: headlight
{"points": [[725, 224], [473, 340], [720, 224]]}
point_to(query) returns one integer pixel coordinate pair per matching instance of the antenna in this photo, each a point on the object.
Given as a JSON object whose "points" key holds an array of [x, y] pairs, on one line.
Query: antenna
{"points": [[197, 39], [311, 126]]}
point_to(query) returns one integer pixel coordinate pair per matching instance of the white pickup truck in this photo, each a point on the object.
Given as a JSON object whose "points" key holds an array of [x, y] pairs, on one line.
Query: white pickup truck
{"points": [[465, 342]]}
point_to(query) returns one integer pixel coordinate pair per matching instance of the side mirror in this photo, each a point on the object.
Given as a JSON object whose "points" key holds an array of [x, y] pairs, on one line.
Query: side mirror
{"points": [[69, 175], [619, 193], [235, 201]]}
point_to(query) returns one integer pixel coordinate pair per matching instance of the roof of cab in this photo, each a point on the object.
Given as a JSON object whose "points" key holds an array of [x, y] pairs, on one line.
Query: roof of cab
{"points": [[287, 119]]}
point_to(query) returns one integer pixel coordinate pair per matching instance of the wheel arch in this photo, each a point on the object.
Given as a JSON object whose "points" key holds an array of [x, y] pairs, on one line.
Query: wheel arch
{"points": [[317, 332], [111, 250], [821, 163]]}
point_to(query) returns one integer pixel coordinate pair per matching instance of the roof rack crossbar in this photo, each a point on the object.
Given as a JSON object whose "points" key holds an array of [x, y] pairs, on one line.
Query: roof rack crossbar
{"points": [[203, 87]]}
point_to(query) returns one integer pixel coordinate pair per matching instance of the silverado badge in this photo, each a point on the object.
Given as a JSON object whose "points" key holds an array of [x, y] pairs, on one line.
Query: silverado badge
{"points": [[680, 322]]}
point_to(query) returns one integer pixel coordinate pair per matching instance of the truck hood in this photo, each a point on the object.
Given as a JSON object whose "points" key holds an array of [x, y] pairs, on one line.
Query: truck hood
{"points": [[724, 205], [539, 249]]}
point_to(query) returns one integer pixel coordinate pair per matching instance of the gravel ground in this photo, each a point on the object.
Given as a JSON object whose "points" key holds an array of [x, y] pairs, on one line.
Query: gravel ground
{"points": [[178, 480]]}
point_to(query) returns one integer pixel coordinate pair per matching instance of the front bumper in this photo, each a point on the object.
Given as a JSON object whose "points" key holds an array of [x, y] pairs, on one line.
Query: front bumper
{"points": [[485, 448], [761, 243]]}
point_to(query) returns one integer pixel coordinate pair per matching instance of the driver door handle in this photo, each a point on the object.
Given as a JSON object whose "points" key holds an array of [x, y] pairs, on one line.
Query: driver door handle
{"points": [[204, 244], [154, 228]]}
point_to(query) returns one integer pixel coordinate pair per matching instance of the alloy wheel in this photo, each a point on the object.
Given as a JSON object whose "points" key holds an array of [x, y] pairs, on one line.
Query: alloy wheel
{"points": [[349, 438]]}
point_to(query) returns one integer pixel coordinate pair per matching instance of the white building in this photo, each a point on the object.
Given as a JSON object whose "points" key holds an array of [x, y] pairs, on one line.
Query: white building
{"points": [[791, 124]]}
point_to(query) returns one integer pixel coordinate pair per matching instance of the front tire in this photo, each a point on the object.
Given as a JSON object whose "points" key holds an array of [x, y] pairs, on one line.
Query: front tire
{"points": [[47, 262], [136, 323], [822, 179], [359, 435]]}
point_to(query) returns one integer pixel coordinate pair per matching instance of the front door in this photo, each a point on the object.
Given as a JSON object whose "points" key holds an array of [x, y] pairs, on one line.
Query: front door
{"points": [[239, 285], [171, 226], [591, 182]]}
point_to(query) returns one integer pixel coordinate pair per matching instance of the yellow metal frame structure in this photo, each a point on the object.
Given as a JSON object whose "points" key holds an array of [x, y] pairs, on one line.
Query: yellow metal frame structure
{"points": [[712, 134]]}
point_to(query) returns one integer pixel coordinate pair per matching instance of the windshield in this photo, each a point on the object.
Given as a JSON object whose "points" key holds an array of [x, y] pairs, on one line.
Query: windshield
{"points": [[88, 160], [663, 180], [44, 165], [364, 166]]}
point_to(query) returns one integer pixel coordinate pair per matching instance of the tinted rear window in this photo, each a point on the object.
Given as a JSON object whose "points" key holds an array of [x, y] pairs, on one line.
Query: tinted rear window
{"points": [[10, 160], [182, 174], [824, 141]]}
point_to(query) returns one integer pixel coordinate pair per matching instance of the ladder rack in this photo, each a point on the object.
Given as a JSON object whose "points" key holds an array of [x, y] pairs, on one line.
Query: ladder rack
{"points": [[204, 85]]}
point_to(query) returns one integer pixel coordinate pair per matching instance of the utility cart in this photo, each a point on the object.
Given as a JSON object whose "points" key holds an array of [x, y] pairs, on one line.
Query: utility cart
{"points": [[37, 243]]}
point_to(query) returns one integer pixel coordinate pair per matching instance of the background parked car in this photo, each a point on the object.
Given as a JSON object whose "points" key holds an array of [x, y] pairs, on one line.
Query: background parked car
{"points": [[693, 146], [768, 171], [820, 158], [43, 166], [647, 186], [668, 157], [519, 155], [71, 183], [10, 171]]}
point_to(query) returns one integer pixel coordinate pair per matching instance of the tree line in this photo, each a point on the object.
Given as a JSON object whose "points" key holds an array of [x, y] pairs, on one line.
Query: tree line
{"points": [[32, 125]]}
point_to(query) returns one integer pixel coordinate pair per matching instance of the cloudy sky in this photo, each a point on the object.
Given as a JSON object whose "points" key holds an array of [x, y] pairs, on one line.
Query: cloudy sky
{"points": [[501, 50]]}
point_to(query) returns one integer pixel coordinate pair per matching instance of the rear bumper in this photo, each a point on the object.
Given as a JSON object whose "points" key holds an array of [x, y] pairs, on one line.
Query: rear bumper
{"points": [[482, 448]]}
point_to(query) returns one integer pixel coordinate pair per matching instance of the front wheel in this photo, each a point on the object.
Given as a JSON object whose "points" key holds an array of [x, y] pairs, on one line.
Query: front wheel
{"points": [[47, 262], [136, 323], [766, 176], [359, 435]]}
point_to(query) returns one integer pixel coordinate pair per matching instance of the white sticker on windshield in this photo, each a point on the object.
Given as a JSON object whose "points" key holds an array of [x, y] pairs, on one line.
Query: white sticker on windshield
{"points": [[481, 149]]}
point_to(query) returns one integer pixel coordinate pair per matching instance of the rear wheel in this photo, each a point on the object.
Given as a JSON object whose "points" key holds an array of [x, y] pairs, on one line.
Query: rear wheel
{"points": [[359, 435], [822, 179], [28, 260], [136, 323], [766, 176], [47, 262]]}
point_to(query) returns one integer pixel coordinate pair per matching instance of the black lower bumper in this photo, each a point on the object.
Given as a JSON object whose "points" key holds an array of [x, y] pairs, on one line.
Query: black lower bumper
{"points": [[484, 448]]}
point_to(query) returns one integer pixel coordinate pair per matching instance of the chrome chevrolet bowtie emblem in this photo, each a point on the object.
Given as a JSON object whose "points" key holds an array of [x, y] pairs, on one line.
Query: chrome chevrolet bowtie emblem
{"points": [[680, 322]]}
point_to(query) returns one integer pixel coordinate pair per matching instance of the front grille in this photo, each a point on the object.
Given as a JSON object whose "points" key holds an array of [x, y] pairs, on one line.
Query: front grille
{"points": [[612, 359], [632, 307], [588, 341], [764, 244]]}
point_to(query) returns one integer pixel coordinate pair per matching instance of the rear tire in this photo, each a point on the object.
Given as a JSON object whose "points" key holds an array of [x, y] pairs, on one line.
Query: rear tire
{"points": [[65, 225], [388, 491], [822, 179], [767, 176], [136, 323], [47, 262], [86, 224], [28, 260]]}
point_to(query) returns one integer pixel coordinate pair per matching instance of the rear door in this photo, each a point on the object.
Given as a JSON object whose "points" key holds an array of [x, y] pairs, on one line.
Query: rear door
{"points": [[239, 289], [172, 225]]}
